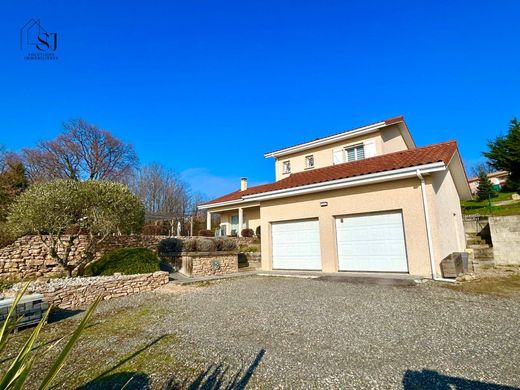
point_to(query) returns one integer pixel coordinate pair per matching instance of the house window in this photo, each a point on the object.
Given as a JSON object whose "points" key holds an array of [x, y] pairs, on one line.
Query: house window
{"points": [[355, 153], [309, 162], [286, 167]]}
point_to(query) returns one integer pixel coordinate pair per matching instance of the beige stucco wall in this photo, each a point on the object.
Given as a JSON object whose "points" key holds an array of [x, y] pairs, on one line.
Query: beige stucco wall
{"points": [[387, 140], [392, 140], [323, 156], [402, 195], [446, 216]]}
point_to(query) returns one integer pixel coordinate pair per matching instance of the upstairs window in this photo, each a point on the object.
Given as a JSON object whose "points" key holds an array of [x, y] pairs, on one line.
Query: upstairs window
{"points": [[309, 162], [355, 153], [286, 167]]}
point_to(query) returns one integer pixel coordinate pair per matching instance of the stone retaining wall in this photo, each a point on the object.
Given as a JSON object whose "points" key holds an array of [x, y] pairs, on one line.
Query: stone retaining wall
{"points": [[505, 236], [195, 264], [79, 293], [27, 256]]}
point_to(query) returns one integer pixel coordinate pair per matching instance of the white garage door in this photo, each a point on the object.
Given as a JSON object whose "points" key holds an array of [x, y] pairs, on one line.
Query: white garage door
{"points": [[371, 242], [296, 245]]}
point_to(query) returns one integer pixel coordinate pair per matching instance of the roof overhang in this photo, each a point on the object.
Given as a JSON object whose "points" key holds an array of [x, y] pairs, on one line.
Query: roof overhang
{"points": [[399, 121], [372, 178]]}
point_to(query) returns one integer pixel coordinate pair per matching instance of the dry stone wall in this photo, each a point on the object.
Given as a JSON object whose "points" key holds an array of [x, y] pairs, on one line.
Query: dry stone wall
{"points": [[79, 293], [27, 257], [208, 263]]}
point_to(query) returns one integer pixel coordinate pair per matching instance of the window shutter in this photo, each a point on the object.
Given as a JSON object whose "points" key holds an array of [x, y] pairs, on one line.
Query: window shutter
{"points": [[351, 154], [370, 149], [338, 156]]}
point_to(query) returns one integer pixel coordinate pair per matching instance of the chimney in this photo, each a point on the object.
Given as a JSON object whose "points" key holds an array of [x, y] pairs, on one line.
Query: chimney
{"points": [[243, 184]]}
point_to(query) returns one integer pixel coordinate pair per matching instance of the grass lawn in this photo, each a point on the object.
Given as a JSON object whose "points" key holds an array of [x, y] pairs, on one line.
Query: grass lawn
{"points": [[496, 285], [482, 207]]}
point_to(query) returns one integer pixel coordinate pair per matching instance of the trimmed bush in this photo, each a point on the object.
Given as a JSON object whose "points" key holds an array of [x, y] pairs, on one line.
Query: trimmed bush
{"points": [[249, 248], [169, 246], [247, 233], [127, 261], [229, 245], [189, 245], [206, 233], [205, 245], [258, 231]]}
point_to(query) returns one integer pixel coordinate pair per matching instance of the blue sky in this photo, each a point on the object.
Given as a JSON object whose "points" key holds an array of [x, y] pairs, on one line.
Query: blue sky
{"points": [[206, 88]]}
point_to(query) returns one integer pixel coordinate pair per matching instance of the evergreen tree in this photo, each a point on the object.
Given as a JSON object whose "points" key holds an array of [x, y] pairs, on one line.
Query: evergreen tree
{"points": [[485, 187], [504, 154]]}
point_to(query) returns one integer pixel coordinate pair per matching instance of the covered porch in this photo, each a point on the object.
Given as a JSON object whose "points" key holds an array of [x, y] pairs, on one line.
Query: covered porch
{"points": [[234, 219]]}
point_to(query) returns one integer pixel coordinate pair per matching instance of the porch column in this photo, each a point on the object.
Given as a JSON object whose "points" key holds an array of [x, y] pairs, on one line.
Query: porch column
{"points": [[208, 220], [240, 221]]}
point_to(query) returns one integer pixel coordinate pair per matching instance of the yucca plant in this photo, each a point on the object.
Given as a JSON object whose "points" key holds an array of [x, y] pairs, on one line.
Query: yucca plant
{"points": [[17, 373]]}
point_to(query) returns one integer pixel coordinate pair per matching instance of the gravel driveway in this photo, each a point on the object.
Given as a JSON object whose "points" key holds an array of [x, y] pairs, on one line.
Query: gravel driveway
{"points": [[272, 332]]}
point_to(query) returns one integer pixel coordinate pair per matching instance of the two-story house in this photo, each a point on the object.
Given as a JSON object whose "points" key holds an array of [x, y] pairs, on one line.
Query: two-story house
{"points": [[365, 199]]}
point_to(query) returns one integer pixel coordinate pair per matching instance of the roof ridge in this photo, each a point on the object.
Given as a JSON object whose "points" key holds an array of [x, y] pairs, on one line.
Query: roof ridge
{"points": [[388, 122]]}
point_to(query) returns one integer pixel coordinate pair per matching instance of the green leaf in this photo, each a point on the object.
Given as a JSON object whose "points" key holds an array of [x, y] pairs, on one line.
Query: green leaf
{"points": [[8, 324], [58, 364], [16, 371]]}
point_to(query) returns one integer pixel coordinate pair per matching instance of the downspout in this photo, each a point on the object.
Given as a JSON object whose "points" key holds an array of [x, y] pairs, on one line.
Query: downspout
{"points": [[429, 230]]}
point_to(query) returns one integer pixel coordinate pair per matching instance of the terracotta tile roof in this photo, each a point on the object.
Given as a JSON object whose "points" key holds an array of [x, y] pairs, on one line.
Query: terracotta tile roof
{"points": [[442, 152], [388, 122]]}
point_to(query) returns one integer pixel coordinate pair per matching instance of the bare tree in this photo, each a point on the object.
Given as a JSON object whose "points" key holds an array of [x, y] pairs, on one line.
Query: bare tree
{"points": [[476, 169], [83, 151], [161, 190]]}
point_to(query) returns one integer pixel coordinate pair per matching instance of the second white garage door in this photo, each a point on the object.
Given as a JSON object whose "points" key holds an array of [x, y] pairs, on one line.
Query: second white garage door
{"points": [[371, 242], [296, 245]]}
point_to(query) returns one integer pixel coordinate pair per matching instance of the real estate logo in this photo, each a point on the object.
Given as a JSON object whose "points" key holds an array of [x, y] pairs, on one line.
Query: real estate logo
{"points": [[37, 42]]}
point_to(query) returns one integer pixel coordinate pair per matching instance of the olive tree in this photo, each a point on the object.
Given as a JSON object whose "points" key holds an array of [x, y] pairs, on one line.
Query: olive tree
{"points": [[60, 211]]}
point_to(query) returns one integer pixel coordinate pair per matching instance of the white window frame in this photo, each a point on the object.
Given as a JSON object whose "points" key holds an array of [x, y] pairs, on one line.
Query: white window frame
{"points": [[356, 150], [286, 167], [307, 159]]}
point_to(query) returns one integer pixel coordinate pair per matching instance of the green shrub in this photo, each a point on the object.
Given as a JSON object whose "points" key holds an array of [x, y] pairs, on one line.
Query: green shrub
{"points": [[127, 261], [258, 231], [169, 246], [249, 248]]}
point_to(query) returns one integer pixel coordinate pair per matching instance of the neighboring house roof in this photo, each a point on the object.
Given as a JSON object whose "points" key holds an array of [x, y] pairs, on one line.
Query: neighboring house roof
{"points": [[442, 152], [355, 132], [491, 175]]}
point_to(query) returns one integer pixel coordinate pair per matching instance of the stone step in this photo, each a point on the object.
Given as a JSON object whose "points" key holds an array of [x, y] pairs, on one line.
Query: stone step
{"points": [[475, 241], [479, 246], [484, 260], [478, 253]]}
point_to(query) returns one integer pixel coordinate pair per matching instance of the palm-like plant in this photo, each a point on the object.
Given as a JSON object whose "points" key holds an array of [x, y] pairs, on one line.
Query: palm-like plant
{"points": [[16, 375]]}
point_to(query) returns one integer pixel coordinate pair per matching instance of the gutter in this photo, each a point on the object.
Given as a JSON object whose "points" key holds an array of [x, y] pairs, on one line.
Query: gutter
{"points": [[403, 173], [429, 230]]}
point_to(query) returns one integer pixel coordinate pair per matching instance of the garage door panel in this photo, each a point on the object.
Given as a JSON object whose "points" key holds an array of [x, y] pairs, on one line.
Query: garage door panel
{"points": [[372, 242], [296, 245]]}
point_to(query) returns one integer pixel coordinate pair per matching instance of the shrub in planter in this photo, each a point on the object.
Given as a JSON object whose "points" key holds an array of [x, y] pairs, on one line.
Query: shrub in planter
{"points": [[247, 233], [229, 245], [127, 261], [206, 233], [169, 246], [205, 245], [189, 245]]}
